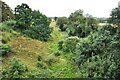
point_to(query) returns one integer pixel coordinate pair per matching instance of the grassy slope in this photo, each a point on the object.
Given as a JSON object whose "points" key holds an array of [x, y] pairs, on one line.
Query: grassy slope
{"points": [[27, 50]]}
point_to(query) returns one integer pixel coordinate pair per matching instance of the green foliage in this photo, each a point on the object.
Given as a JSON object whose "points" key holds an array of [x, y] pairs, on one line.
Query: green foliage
{"points": [[38, 18], [32, 23], [7, 31], [62, 22], [7, 25], [96, 54], [40, 32], [7, 12], [55, 18], [95, 43], [80, 25], [6, 37], [43, 73], [16, 69], [98, 67], [69, 44], [5, 49], [77, 16], [92, 22], [63, 71], [92, 52], [23, 16], [115, 16]]}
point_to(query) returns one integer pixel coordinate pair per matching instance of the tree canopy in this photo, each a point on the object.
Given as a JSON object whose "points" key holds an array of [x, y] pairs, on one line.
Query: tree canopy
{"points": [[7, 12], [115, 16]]}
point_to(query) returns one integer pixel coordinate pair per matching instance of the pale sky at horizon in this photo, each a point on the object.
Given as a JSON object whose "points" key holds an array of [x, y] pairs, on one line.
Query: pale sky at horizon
{"points": [[52, 8]]}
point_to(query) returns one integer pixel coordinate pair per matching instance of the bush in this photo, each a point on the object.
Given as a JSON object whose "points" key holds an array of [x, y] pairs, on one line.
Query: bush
{"points": [[5, 49], [6, 37], [97, 55], [16, 69], [95, 44], [40, 32], [109, 28], [69, 44], [8, 25], [44, 73], [98, 67]]}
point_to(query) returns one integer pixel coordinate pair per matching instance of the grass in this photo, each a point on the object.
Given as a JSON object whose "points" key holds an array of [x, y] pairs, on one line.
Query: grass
{"points": [[57, 35], [63, 68], [26, 50]]}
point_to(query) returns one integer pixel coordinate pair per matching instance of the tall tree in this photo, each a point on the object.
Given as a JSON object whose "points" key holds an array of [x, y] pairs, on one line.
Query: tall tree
{"points": [[23, 15], [6, 11], [77, 24], [115, 16]]}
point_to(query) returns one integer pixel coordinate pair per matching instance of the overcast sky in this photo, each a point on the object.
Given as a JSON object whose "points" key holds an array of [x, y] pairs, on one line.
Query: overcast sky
{"points": [[51, 8]]}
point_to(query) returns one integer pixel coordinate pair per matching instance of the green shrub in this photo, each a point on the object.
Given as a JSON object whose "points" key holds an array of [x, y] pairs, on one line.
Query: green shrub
{"points": [[6, 37], [99, 67], [5, 49], [40, 32], [16, 69], [42, 73], [80, 30], [8, 25], [69, 44], [97, 55], [95, 44]]}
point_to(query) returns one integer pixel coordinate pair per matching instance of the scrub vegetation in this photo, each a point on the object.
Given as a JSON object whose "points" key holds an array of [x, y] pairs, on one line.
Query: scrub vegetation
{"points": [[36, 46]]}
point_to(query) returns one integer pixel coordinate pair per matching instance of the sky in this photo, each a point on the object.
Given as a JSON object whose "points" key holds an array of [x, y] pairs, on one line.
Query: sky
{"points": [[59, 8]]}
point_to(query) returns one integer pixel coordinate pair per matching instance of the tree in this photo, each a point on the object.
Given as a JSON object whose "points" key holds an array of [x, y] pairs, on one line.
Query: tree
{"points": [[77, 16], [61, 22], [23, 16], [7, 12], [92, 22], [38, 18], [55, 18], [32, 23], [78, 24], [115, 16]]}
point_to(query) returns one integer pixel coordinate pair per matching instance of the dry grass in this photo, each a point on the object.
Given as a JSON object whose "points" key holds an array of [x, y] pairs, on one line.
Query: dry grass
{"points": [[26, 50]]}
